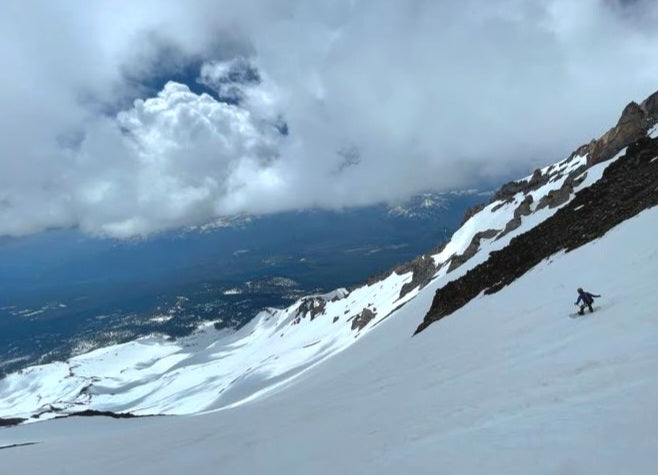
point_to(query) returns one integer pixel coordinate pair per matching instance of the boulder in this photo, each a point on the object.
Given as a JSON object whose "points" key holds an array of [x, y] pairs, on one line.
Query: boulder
{"points": [[362, 319]]}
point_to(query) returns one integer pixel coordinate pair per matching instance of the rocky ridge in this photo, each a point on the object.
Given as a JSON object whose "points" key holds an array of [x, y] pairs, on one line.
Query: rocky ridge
{"points": [[628, 185], [635, 121]]}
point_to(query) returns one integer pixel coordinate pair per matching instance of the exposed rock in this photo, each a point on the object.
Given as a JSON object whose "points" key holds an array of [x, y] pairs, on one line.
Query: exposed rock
{"points": [[508, 191], [458, 260], [313, 306], [438, 249], [361, 320], [511, 225], [86, 413], [470, 212], [522, 210], [628, 186], [650, 104], [500, 205], [94, 413], [398, 269], [375, 279], [11, 421], [582, 150], [635, 121], [423, 269], [633, 124], [555, 198]]}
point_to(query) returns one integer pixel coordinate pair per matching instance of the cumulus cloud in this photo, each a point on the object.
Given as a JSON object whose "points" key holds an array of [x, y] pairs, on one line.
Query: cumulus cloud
{"points": [[184, 152], [127, 118]]}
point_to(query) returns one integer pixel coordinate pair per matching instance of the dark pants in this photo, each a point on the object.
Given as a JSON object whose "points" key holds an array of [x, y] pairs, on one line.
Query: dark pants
{"points": [[582, 308]]}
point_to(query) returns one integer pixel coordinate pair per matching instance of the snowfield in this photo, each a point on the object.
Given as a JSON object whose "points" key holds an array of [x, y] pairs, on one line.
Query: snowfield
{"points": [[208, 372], [507, 384], [156, 376], [510, 383]]}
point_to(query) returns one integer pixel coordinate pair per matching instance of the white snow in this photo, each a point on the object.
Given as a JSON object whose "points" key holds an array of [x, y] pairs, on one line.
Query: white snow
{"points": [[212, 370], [564, 167], [504, 212], [161, 318], [156, 376], [507, 384], [482, 221], [232, 292]]}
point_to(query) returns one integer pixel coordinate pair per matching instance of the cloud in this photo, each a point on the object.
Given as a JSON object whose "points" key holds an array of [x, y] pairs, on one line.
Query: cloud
{"points": [[127, 118], [182, 153]]}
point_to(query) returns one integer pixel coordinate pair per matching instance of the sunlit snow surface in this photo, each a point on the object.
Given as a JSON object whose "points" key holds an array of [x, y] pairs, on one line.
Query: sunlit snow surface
{"points": [[156, 376], [208, 371], [507, 384]]}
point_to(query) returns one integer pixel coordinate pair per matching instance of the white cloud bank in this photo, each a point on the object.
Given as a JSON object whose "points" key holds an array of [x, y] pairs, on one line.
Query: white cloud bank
{"points": [[380, 100]]}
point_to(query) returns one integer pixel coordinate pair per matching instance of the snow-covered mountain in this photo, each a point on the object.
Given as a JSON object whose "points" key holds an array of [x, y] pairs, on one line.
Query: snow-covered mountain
{"points": [[427, 204], [79, 293], [336, 384]]}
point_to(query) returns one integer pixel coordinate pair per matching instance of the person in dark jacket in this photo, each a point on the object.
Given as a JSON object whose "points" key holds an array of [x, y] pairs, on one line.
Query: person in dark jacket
{"points": [[585, 299]]}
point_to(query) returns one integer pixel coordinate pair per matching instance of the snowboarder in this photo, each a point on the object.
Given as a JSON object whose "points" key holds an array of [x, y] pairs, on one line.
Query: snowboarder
{"points": [[587, 300]]}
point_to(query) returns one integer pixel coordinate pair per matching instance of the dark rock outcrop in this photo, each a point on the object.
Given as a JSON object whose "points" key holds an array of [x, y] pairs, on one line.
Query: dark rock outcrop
{"points": [[11, 421], [522, 210], [374, 279], [635, 121], [633, 124], [555, 198], [627, 187], [95, 413], [86, 413], [581, 151], [313, 306], [458, 260], [650, 104], [423, 269], [419, 266], [473, 210], [362, 319], [507, 192]]}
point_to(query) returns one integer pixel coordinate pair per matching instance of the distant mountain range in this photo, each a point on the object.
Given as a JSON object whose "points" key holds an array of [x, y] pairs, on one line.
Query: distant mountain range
{"points": [[526, 224], [64, 292]]}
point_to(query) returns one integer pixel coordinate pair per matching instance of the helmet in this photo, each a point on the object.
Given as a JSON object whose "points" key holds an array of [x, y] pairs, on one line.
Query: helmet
{"points": [[579, 289]]}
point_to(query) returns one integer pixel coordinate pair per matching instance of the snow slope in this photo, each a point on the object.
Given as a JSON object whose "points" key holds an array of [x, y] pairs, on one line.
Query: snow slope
{"points": [[156, 376], [507, 384], [207, 372], [336, 384]]}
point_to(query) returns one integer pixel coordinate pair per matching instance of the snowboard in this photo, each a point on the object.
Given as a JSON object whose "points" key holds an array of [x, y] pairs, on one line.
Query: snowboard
{"points": [[585, 313]]}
